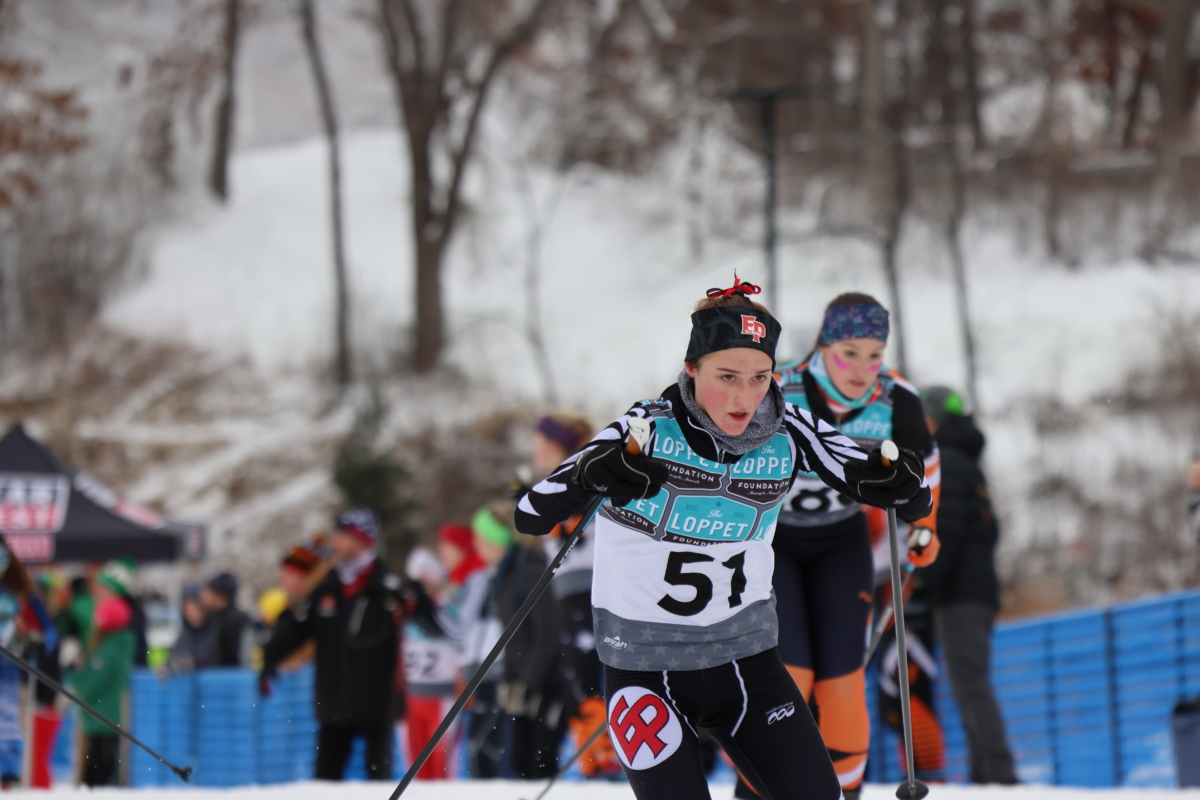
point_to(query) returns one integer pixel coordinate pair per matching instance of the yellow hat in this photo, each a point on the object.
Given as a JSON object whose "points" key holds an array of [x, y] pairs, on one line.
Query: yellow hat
{"points": [[272, 603]]}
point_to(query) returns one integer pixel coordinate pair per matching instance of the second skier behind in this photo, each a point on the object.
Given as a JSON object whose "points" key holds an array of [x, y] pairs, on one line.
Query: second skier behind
{"points": [[682, 601], [824, 568]]}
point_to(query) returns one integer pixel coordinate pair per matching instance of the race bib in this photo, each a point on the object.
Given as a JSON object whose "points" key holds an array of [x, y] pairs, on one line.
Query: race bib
{"points": [[430, 661]]}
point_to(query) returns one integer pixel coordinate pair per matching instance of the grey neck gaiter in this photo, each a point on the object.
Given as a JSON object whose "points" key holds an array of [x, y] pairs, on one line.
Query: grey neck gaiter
{"points": [[766, 422]]}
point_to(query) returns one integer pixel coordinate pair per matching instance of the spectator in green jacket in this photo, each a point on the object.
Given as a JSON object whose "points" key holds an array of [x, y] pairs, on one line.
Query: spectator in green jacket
{"points": [[102, 683]]}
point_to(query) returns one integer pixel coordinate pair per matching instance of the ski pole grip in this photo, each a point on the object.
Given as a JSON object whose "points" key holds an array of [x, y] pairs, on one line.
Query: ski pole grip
{"points": [[888, 452], [639, 434]]}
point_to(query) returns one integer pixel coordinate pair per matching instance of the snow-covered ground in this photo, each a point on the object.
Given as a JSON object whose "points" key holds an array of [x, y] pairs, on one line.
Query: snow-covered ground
{"points": [[513, 790]]}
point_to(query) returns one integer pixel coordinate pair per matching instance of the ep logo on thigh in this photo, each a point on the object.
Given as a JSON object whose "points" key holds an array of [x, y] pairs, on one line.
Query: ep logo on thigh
{"points": [[644, 729]]}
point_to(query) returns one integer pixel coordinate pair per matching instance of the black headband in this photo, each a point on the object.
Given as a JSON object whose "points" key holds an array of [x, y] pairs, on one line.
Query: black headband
{"points": [[725, 327]]}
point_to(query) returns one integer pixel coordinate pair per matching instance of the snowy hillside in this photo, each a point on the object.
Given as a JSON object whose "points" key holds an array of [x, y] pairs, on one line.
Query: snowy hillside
{"points": [[616, 286]]}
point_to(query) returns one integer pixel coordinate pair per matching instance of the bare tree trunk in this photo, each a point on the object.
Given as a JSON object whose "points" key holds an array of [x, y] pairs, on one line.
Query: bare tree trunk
{"points": [[971, 67], [886, 177], [428, 334], [440, 96], [343, 361], [1134, 103], [958, 207], [1050, 158], [1173, 81], [218, 176], [538, 223], [891, 242], [937, 62]]}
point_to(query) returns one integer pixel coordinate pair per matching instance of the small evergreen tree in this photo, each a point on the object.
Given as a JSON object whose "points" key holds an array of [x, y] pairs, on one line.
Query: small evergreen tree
{"points": [[370, 477]]}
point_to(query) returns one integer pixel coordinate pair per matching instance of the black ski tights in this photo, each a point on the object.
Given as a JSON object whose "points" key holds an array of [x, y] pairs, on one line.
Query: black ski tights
{"points": [[751, 707]]}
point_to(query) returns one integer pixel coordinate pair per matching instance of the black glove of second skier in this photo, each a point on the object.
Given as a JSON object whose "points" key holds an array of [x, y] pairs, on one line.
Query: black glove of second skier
{"points": [[893, 486], [608, 470]]}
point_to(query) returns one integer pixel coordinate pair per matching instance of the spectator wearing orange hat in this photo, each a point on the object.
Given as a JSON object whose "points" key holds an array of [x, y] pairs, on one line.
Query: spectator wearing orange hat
{"points": [[301, 569], [102, 683]]}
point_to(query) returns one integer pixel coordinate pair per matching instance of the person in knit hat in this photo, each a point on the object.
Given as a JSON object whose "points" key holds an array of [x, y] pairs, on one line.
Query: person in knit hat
{"points": [[191, 649], [532, 658], [304, 566], [353, 616], [232, 629], [102, 683], [465, 620], [301, 569], [962, 585], [116, 579], [456, 549]]}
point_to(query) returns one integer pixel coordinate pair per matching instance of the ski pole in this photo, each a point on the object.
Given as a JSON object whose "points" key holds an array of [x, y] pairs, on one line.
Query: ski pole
{"points": [[881, 627], [911, 789], [184, 773], [639, 432], [571, 762]]}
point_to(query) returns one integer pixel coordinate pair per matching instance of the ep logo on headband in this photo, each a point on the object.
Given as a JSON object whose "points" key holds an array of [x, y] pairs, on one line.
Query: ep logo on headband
{"points": [[752, 327]]}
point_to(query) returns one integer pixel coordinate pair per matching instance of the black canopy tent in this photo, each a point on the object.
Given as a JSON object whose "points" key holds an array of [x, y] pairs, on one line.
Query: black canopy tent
{"points": [[52, 512]]}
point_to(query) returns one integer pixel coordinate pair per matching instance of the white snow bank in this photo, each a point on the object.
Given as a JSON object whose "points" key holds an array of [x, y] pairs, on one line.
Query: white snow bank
{"points": [[617, 283], [514, 790], [618, 278]]}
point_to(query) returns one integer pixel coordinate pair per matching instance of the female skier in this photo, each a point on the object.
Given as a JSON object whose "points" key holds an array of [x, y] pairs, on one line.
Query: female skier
{"points": [[681, 596], [824, 569]]}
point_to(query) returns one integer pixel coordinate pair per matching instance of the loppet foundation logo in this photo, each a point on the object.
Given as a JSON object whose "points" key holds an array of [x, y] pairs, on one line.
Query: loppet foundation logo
{"points": [[752, 327], [644, 730]]}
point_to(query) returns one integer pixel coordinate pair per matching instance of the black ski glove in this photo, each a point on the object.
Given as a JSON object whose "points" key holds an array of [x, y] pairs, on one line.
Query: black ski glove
{"points": [[895, 486], [608, 470]]}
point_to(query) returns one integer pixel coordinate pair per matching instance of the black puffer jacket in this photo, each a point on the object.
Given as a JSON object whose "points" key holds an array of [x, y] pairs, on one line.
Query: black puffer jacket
{"points": [[965, 570], [357, 645], [230, 638], [534, 654]]}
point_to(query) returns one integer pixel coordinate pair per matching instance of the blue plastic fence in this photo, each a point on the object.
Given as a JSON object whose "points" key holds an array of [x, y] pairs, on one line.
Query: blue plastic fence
{"points": [[1087, 696], [215, 721]]}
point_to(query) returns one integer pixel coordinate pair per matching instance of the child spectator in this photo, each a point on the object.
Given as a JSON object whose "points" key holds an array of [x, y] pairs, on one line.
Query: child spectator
{"points": [[191, 649]]}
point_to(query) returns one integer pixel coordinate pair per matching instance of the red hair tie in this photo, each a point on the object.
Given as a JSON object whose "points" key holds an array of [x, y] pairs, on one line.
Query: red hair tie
{"points": [[739, 287]]}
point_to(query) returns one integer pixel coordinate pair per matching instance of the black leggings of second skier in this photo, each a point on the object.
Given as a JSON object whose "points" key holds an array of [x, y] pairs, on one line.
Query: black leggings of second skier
{"points": [[824, 585], [750, 706]]}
